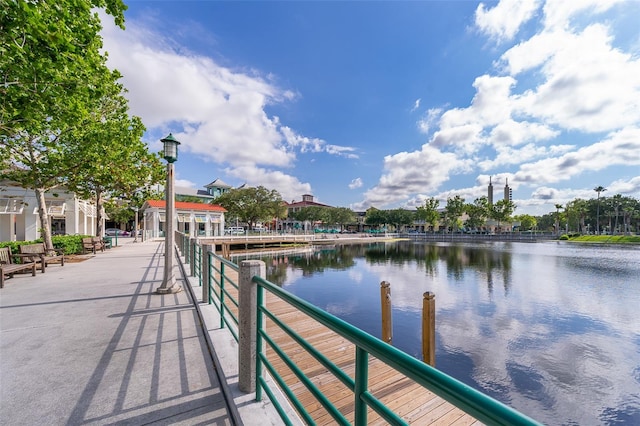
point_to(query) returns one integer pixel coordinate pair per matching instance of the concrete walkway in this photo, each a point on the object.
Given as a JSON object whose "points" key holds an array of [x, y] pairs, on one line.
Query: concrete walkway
{"points": [[90, 343]]}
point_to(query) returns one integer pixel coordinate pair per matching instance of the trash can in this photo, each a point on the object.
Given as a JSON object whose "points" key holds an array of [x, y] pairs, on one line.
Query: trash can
{"points": [[107, 241]]}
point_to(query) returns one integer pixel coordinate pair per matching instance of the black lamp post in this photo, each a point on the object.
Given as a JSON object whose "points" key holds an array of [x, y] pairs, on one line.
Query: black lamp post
{"points": [[170, 153]]}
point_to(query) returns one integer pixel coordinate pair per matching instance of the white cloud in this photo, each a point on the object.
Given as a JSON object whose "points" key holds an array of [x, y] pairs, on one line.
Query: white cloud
{"points": [[356, 183], [619, 148], [409, 173], [305, 144], [416, 105], [545, 108], [288, 186], [503, 21], [184, 183], [559, 13], [589, 85], [216, 112], [431, 116], [508, 155]]}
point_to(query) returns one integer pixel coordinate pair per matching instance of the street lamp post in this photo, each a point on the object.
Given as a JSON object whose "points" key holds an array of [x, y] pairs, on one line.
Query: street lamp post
{"points": [[170, 152]]}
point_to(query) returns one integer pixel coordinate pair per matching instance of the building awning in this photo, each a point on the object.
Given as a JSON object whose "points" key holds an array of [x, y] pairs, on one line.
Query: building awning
{"points": [[184, 217], [54, 208], [201, 218], [162, 217], [11, 205], [88, 209]]}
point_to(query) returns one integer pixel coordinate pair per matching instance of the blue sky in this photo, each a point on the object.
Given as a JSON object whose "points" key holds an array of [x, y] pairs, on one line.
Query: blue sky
{"points": [[385, 104]]}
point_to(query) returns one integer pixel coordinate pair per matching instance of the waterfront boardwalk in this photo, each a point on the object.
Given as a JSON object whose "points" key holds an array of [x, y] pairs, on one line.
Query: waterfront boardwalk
{"points": [[91, 343]]}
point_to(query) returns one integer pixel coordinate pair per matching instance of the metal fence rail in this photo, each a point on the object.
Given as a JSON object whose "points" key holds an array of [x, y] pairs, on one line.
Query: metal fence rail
{"points": [[217, 280], [475, 403], [219, 299]]}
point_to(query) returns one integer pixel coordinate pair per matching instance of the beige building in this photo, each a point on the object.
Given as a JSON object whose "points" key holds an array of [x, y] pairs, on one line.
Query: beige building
{"points": [[19, 219], [194, 219]]}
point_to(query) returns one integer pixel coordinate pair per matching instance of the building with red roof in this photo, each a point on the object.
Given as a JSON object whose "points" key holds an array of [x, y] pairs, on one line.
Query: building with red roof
{"points": [[194, 219]]}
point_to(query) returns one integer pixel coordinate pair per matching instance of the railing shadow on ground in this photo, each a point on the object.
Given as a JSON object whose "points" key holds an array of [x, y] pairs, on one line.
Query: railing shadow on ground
{"points": [[134, 381]]}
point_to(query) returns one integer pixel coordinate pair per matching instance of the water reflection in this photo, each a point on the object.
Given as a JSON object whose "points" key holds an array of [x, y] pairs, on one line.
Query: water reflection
{"points": [[550, 329]]}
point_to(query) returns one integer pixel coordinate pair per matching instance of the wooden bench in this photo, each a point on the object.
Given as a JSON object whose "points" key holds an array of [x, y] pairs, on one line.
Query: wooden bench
{"points": [[88, 245], [37, 253], [7, 267], [92, 244], [99, 243]]}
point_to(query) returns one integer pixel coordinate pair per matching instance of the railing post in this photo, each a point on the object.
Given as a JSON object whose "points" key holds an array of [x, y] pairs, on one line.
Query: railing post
{"points": [[361, 381], [385, 302], [192, 256], [207, 259], [429, 328], [247, 323]]}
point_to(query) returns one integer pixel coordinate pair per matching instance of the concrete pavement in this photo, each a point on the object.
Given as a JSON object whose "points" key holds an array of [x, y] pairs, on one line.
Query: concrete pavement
{"points": [[90, 343]]}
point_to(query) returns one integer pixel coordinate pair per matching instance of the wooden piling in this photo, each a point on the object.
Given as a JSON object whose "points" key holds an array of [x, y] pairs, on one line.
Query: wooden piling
{"points": [[385, 302], [429, 328]]}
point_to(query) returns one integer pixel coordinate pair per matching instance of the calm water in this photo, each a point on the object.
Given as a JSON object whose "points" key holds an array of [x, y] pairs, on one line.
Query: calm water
{"points": [[550, 329]]}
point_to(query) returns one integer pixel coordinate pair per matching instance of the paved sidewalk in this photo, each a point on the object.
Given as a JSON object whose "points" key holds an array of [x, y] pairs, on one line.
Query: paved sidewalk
{"points": [[90, 343]]}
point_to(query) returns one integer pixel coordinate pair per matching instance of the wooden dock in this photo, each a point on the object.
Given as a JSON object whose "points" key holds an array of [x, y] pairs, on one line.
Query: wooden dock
{"points": [[225, 245], [406, 398]]}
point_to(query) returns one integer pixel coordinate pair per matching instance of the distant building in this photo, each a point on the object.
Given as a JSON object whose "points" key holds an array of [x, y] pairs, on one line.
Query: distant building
{"points": [[210, 192], [508, 195], [194, 219], [295, 206], [19, 219], [490, 192], [217, 188]]}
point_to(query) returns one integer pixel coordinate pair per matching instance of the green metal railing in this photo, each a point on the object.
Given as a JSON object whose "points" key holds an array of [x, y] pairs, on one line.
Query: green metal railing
{"points": [[473, 402], [197, 262], [227, 317]]}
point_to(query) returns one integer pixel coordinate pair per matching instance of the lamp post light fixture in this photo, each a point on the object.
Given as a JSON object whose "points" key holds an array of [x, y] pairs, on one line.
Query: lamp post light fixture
{"points": [[170, 153]]}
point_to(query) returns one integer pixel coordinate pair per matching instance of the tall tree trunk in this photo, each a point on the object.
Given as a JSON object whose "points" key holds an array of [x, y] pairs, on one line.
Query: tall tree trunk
{"points": [[45, 228], [99, 210]]}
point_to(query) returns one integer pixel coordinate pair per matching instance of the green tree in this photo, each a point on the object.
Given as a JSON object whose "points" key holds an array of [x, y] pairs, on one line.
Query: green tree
{"points": [[557, 225], [429, 212], [453, 210], [311, 214], [477, 212], [400, 218], [52, 74], [116, 163], [598, 189], [376, 217], [252, 204], [340, 216], [501, 211], [578, 209], [527, 222]]}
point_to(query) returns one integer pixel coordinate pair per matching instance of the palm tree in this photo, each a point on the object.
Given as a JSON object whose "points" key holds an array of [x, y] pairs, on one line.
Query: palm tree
{"points": [[558, 207], [598, 189]]}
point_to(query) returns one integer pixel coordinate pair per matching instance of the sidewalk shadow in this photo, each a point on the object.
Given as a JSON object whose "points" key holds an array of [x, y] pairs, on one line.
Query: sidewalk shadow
{"points": [[156, 368]]}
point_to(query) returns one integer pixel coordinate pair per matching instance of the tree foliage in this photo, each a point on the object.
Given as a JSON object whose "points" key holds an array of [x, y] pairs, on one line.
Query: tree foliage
{"points": [[429, 211], [252, 204], [453, 210], [501, 211], [52, 78]]}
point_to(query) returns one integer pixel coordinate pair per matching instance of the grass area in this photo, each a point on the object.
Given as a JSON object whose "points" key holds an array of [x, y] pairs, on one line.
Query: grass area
{"points": [[606, 239]]}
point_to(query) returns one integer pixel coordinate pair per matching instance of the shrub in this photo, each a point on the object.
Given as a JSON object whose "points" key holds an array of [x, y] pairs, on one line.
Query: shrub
{"points": [[70, 244]]}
